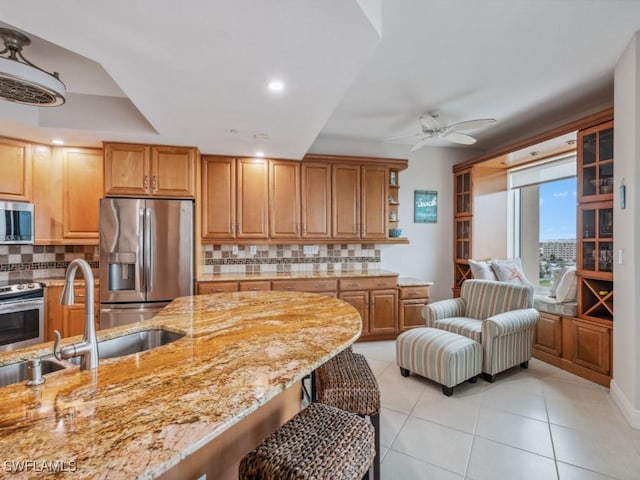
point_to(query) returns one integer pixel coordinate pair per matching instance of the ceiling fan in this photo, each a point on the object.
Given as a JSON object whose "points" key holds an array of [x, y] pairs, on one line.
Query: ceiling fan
{"points": [[430, 129]]}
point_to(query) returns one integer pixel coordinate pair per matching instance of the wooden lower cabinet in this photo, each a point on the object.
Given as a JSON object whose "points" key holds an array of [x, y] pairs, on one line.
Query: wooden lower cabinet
{"points": [[254, 286], [412, 299], [579, 346], [69, 320], [360, 301], [548, 334], [216, 287]]}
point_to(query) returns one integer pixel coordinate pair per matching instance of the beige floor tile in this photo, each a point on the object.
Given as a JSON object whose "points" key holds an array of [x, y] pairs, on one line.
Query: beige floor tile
{"points": [[615, 458], [441, 446], [397, 392], [493, 461], [579, 393], [571, 472], [377, 366], [514, 430], [514, 397], [390, 424], [384, 351], [403, 467], [451, 411]]}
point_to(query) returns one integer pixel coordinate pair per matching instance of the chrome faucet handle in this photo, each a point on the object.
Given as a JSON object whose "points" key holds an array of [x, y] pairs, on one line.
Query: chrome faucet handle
{"points": [[57, 347]]}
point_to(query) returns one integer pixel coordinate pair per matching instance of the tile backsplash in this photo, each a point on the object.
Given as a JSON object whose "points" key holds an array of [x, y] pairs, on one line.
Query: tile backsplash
{"points": [[32, 262], [289, 258]]}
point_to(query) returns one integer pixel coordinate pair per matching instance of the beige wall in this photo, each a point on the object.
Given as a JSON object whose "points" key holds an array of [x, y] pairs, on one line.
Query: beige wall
{"points": [[625, 386], [489, 213], [429, 253]]}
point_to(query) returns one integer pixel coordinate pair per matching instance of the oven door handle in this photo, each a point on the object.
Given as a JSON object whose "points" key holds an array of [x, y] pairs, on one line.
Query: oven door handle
{"points": [[21, 305]]}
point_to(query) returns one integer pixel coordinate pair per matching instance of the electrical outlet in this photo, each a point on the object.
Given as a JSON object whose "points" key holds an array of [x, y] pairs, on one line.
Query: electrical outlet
{"points": [[252, 249], [620, 257], [234, 250], [310, 249]]}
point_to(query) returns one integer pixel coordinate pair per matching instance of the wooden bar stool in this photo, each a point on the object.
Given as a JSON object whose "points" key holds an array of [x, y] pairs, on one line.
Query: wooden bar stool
{"points": [[320, 442], [347, 382]]}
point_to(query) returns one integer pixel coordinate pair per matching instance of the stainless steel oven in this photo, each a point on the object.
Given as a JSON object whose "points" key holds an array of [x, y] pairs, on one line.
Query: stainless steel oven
{"points": [[21, 315]]}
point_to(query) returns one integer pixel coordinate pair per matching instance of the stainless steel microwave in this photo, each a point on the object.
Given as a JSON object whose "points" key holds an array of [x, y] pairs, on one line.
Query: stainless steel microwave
{"points": [[16, 223]]}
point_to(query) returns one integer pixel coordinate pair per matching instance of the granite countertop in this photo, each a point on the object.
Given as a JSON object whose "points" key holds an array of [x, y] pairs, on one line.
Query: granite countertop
{"points": [[413, 282], [139, 415], [59, 281], [234, 277]]}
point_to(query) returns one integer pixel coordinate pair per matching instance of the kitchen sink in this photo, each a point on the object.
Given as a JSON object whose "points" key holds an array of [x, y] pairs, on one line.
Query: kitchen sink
{"points": [[136, 342], [19, 372], [133, 343]]}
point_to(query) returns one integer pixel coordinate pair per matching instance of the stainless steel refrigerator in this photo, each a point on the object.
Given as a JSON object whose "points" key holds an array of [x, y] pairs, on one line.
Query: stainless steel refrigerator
{"points": [[146, 257]]}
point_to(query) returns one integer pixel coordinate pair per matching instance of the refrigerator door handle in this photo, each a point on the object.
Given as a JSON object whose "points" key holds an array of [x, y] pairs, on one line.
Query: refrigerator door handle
{"points": [[148, 252], [141, 249]]}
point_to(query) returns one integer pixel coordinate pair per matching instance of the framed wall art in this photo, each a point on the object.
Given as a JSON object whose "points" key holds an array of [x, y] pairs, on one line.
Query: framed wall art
{"points": [[425, 206]]}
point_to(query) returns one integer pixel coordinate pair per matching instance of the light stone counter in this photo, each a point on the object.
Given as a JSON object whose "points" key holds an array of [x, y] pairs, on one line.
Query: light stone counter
{"points": [[140, 415], [233, 277]]}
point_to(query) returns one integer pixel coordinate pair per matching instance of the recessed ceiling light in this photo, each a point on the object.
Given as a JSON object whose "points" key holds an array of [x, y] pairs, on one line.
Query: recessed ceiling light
{"points": [[535, 153], [259, 154], [571, 142], [276, 85], [57, 141]]}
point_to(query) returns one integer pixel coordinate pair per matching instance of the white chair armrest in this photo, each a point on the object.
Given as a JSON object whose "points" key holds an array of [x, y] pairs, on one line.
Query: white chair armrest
{"points": [[510, 322], [453, 307]]}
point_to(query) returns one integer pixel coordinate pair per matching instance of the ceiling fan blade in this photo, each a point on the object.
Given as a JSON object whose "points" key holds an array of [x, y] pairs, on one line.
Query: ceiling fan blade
{"points": [[460, 138], [470, 124], [402, 137], [421, 143]]}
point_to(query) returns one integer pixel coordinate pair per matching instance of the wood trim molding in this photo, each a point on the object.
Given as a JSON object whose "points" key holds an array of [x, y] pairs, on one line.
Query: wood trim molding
{"points": [[580, 124], [399, 163]]}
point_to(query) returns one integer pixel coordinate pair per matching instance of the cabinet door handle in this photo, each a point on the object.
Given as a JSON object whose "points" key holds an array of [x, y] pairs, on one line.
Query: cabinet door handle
{"points": [[154, 183], [219, 290], [304, 229], [145, 181]]}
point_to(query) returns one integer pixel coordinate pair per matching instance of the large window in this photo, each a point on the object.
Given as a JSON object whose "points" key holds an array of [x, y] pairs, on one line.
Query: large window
{"points": [[545, 211]]}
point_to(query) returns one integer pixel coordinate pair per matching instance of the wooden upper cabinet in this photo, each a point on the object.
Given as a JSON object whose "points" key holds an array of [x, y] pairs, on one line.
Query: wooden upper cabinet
{"points": [[15, 181], [173, 171], [252, 198], [218, 197], [82, 187], [316, 200], [346, 201], [374, 202], [144, 170], [284, 199], [126, 169]]}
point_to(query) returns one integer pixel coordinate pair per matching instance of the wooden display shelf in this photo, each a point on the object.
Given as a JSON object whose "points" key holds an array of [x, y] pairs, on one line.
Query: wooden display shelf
{"points": [[595, 299]]}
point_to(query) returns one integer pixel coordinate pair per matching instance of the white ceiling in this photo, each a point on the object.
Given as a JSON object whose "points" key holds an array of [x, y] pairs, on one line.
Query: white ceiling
{"points": [[195, 72]]}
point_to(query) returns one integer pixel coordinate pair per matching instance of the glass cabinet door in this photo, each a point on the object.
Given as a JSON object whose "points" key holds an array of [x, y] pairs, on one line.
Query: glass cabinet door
{"points": [[463, 193], [596, 229], [595, 148]]}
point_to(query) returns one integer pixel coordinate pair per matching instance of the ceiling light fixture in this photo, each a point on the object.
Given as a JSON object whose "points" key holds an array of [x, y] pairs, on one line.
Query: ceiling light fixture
{"points": [[571, 142], [57, 141], [276, 85], [21, 81]]}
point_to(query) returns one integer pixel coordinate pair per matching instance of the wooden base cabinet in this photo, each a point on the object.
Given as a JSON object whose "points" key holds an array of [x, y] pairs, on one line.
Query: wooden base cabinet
{"points": [[579, 346], [69, 320], [412, 299]]}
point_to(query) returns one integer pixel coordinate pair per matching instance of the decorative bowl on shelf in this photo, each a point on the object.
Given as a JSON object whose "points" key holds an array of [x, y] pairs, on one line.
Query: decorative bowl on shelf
{"points": [[395, 232]]}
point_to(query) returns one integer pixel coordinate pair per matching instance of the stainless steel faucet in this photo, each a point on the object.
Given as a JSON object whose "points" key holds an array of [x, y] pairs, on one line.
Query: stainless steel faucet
{"points": [[88, 347]]}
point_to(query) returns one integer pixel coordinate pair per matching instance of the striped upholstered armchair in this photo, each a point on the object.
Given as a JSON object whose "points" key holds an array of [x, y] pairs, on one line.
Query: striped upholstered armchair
{"points": [[498, 315]]}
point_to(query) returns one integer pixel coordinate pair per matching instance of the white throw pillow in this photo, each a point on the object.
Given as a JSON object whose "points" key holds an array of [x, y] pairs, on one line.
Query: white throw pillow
{"points": [[481, 270], [556, 280], [568, 287], [510, 271]]}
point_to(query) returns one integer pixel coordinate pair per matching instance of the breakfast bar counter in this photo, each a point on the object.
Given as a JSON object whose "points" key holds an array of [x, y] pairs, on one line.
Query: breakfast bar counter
{"points": [[145, 415]]}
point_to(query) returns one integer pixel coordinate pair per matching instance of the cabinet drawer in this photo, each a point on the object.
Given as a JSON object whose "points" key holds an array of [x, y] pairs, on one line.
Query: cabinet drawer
{"points": [[254, 286], [367, 283], [414, 292], [217, 287], [308, 285]]}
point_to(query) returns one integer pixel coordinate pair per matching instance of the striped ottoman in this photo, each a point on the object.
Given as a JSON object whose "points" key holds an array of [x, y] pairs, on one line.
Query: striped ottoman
{"points": [[441, 356]]}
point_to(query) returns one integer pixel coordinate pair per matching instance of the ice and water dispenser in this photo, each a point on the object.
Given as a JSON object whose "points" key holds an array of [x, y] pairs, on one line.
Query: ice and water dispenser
{"points": [[122, 270]]}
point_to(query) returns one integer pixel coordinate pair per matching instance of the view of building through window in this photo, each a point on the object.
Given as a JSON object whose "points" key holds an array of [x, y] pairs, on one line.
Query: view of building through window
{"points": [[557, 227]]}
